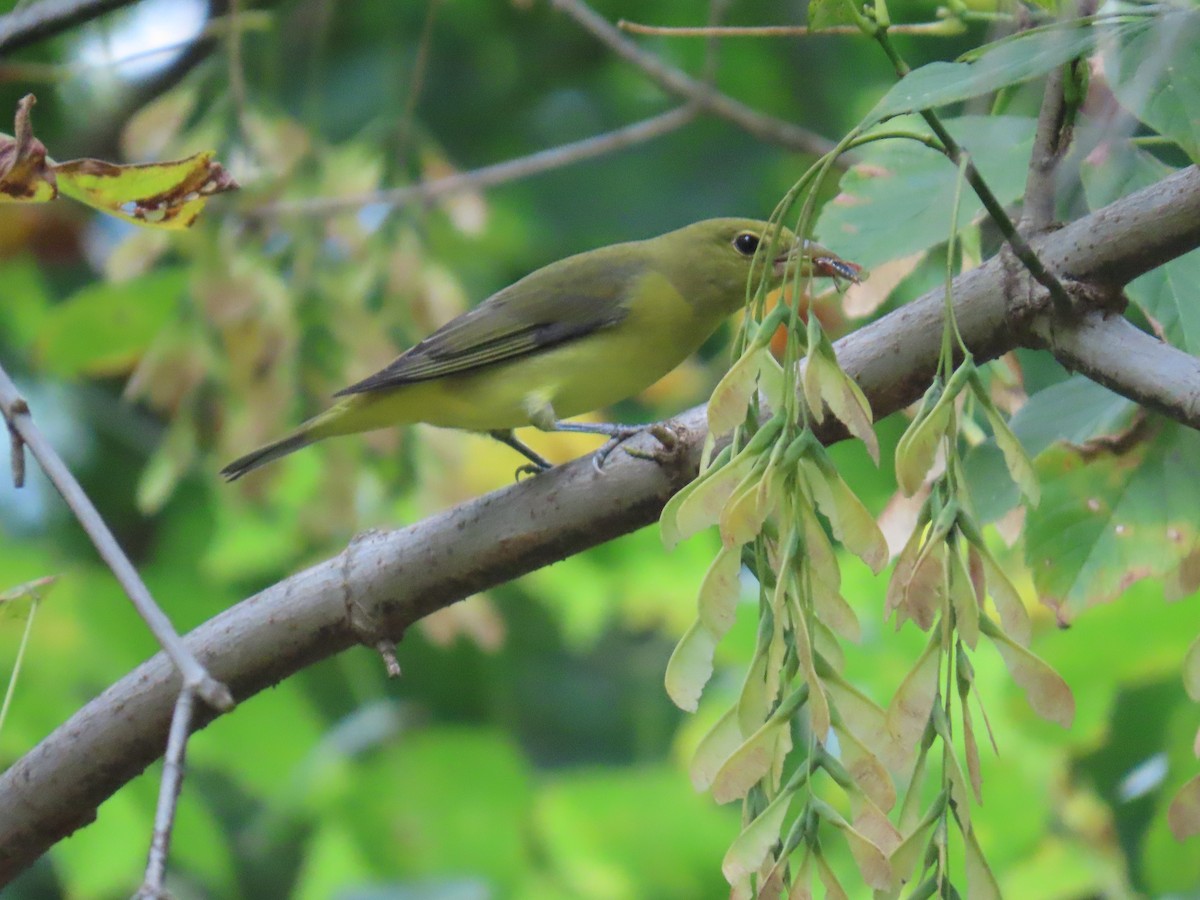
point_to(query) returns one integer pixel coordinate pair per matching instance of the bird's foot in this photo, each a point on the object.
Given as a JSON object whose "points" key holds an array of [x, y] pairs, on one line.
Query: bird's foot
{"points": [[530, 469], [667, 438], [536, 465], [668, 445]]}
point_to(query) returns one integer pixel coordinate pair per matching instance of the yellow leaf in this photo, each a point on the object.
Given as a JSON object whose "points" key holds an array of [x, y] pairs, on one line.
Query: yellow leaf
{"points": [[36, 588], [851, 522], [747, 765], [919, 444], [714, 749], [743, 515], [719, 592], [158, 195], [690, 667], [731, 397]]}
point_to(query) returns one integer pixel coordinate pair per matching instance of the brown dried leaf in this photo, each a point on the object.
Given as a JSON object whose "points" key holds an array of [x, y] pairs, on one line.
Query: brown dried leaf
{"points": [[1048, 694], [908, 713], [25, 176]]}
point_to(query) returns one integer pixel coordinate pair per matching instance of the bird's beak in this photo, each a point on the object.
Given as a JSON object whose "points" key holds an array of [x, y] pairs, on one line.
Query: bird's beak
{"points": [[819, 262]]}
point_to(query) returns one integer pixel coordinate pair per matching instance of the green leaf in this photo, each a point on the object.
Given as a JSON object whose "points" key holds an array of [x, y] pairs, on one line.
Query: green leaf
{"points": [[170, 461], [103, 328], [1166, 294], [1191, 670], [749, 850], [897, 198], [919, 444], [1019, 466], [829, 14], [1014, 616], [905, 857], [1155, 73], [962, 596], [1107, 521], [1075, 410], [996, 66]]}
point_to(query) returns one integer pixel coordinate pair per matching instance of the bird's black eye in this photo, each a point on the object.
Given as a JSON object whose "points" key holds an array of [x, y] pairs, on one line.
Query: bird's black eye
{"points": [[746, 243]]}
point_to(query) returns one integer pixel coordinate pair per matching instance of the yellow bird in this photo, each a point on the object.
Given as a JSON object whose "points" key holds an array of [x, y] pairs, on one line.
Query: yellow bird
{"points": [[580, 334]]}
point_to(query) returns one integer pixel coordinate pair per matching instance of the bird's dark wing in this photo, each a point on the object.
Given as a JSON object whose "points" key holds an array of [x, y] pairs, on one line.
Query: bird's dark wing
{"points": [[560, 303]]}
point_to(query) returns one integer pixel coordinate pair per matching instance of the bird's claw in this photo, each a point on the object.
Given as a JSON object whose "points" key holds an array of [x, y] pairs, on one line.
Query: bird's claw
{"points": [[668, 445], [667, 438], [530, 469]]}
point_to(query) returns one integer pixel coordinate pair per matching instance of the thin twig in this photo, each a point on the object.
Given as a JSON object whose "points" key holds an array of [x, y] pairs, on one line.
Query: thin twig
{"points": [[153, 886], [237, 74], [683, 85], [23, 27], [1016, 241], [416, 83], [1049, 145], [945, 27], [489, 176], [195, 676], [18, 446]]}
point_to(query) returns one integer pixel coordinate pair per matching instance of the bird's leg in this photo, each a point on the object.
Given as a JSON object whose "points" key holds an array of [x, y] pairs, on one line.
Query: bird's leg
{"points": [[616, 434], [536, 465], [541, 415]]}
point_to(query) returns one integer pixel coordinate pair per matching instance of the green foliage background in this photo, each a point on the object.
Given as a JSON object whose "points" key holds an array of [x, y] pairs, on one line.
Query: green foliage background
{"points": [[529, 749]]}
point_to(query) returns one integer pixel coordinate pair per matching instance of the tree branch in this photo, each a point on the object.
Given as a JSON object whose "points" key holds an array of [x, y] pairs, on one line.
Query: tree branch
{"points": [[1109, 350], [24, 433], [672, 80], [397, 577], [23, 27], [1050, 143], [489, 176]]}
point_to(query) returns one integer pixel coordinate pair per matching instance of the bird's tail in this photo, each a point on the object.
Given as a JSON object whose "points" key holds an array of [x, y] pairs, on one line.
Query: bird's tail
{"points": [[301, 437]]}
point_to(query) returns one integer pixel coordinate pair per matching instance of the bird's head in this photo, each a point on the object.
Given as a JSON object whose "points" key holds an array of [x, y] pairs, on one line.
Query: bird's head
{"points": [[722, 253]]}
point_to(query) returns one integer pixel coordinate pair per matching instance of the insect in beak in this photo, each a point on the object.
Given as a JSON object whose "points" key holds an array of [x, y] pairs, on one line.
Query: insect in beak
{"points": [[821, 263]]}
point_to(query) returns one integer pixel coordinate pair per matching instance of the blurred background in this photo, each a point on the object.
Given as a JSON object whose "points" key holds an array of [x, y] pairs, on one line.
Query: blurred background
{"points": [[529, 750]]}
